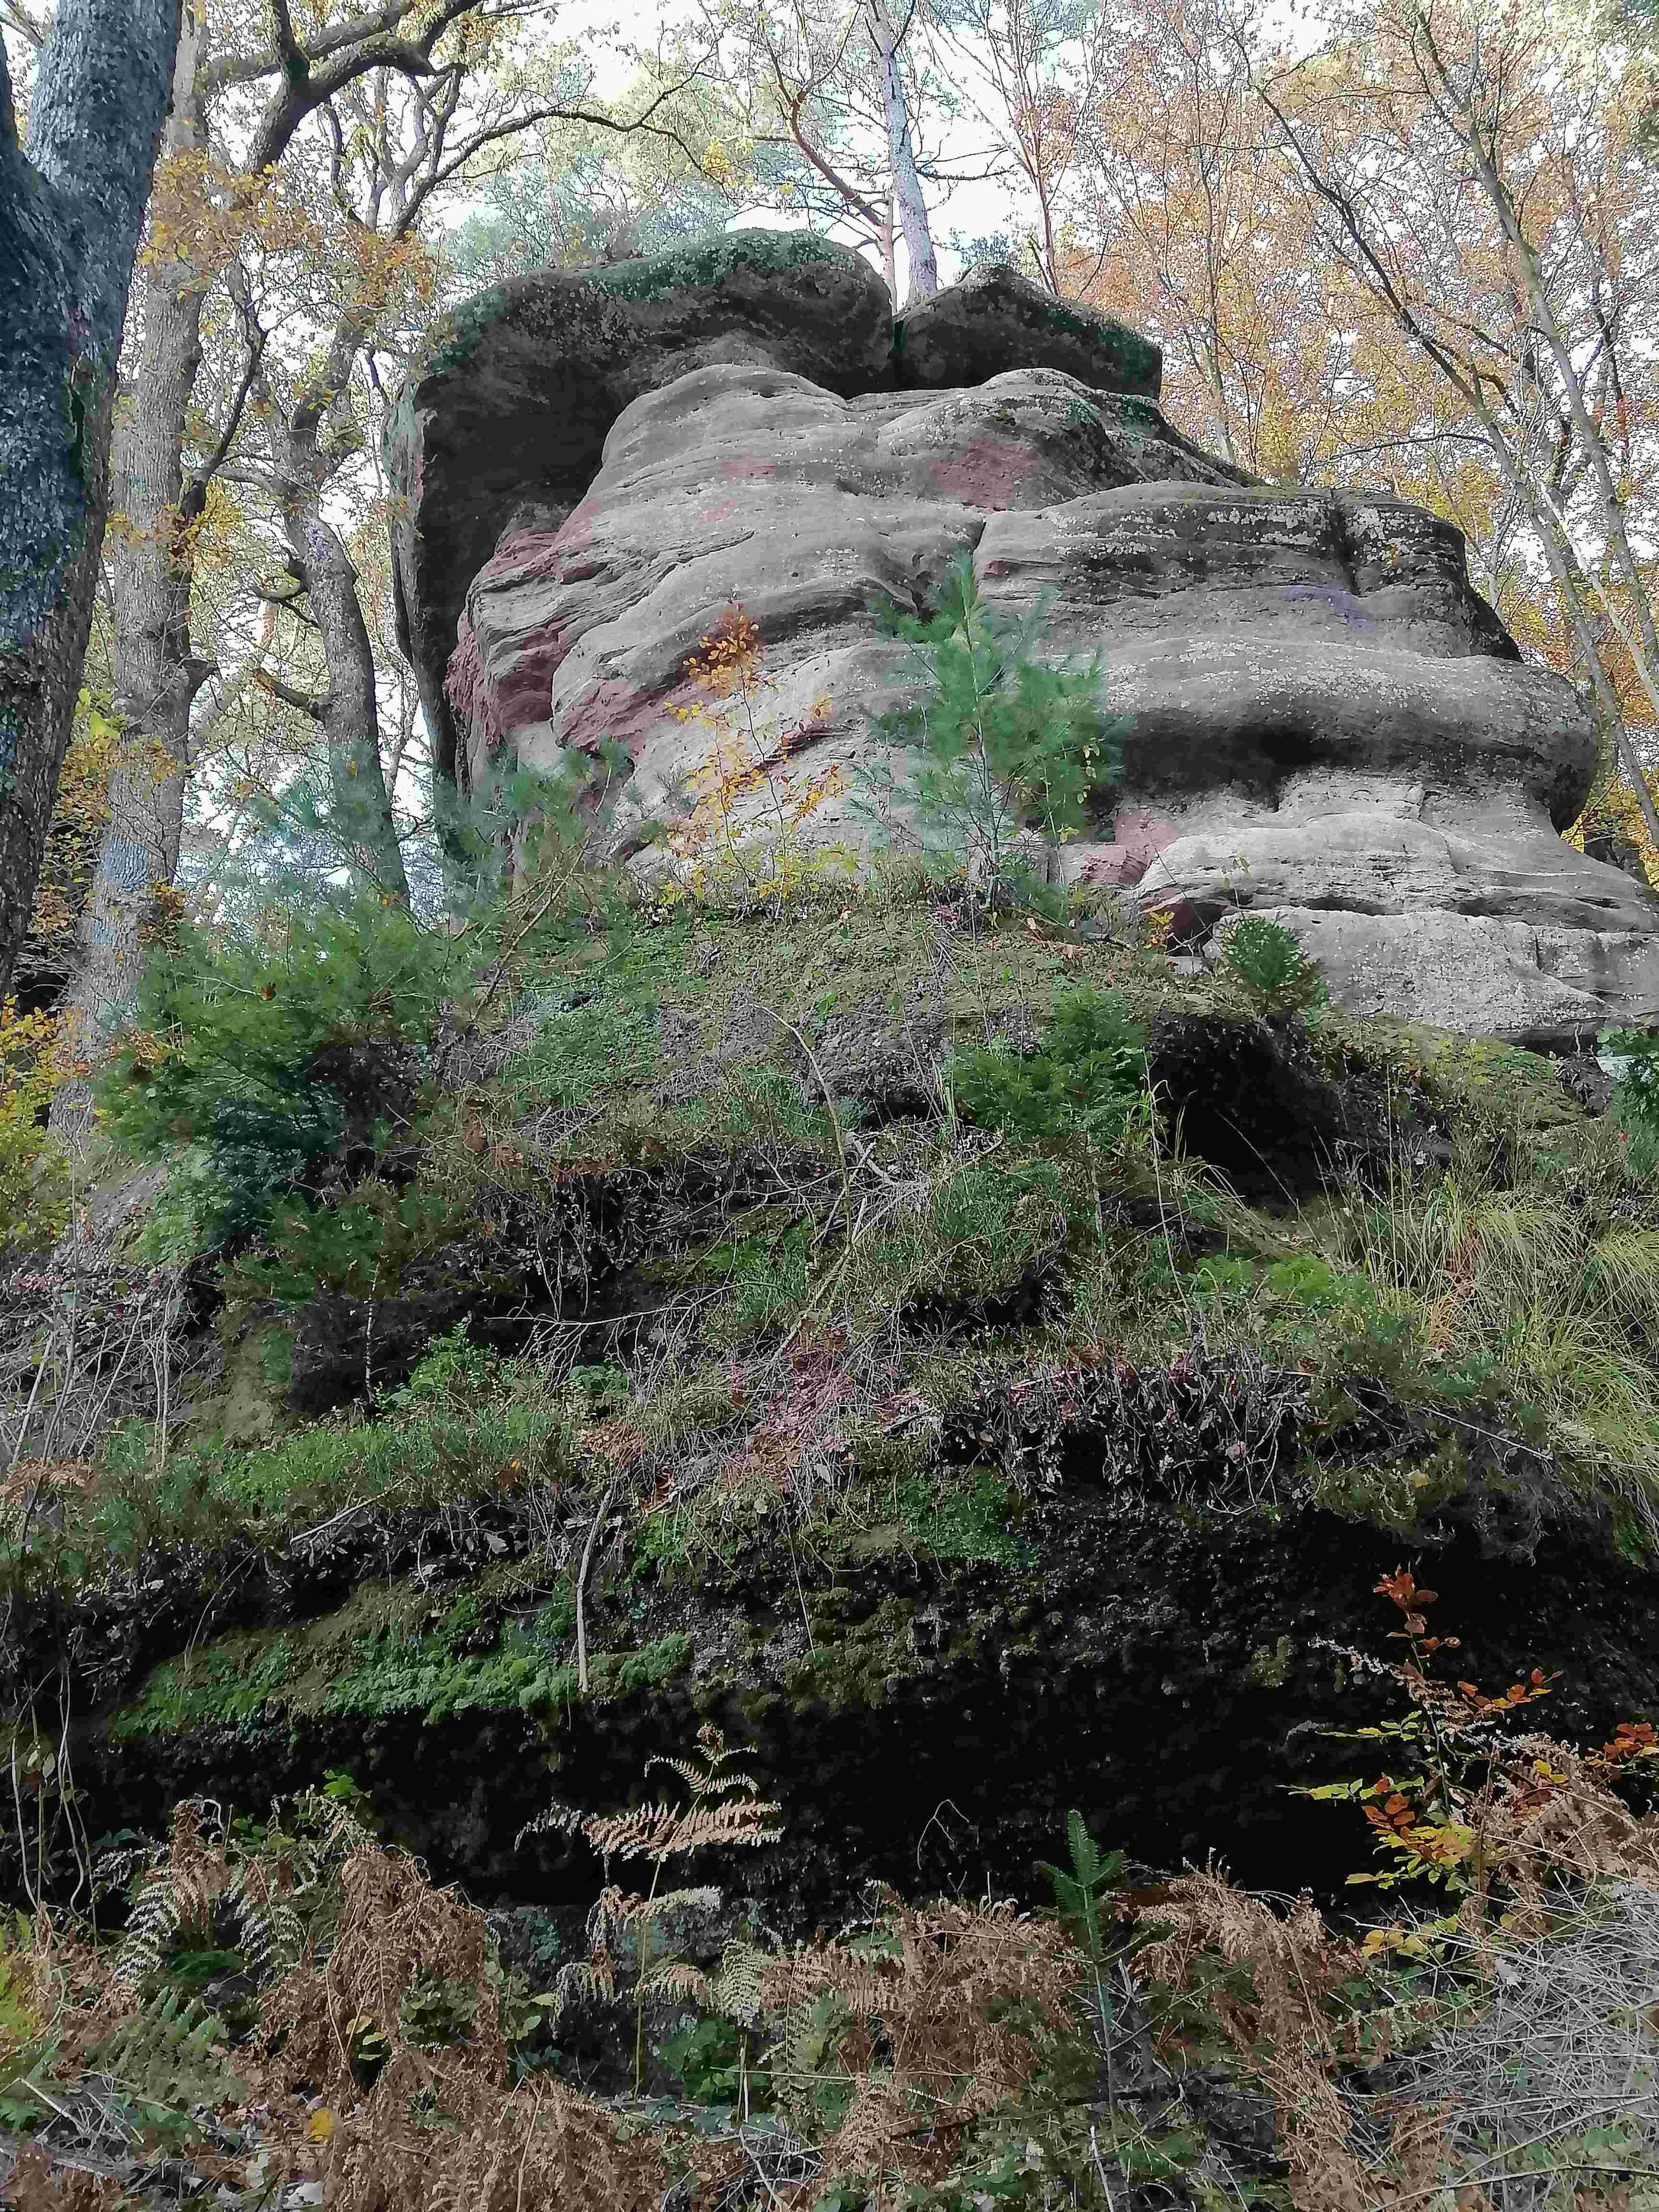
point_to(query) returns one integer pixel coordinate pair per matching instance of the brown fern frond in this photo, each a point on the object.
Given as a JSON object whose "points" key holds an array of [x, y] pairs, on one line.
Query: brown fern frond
{"points": [[961, 2002], [550, 2151], [394, 1929], [593, 1977], [679, 1979], [1295, 1963]]}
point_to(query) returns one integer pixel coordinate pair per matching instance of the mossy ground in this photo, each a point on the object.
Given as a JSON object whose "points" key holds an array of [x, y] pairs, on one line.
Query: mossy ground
{"points": [[904, 1447]]}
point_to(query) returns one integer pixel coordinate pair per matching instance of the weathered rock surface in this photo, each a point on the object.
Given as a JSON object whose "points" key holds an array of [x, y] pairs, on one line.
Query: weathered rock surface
{"points": [[502, 425], [1323, 718], [757, 487]]}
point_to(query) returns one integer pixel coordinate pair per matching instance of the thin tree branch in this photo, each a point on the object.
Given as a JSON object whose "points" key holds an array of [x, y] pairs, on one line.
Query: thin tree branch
{"points": [[303, 702]]}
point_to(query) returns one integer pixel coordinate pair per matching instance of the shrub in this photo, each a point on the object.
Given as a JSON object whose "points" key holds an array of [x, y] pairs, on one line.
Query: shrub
{"points": [[31, 1194], [1266, 960], [743, 840], [1008, 743], [1463, 1808], [1089, 1074], [1634, 1054], [288, 1054], [454, 1373]]}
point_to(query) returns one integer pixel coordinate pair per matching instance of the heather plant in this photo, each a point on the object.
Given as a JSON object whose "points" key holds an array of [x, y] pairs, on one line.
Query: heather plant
{"points": [[1006, 748]]}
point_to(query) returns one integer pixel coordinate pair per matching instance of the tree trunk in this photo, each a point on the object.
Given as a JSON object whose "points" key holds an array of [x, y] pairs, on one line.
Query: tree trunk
{"points": [[349, 714], [908, 201], [149, 567], [71, 213]]}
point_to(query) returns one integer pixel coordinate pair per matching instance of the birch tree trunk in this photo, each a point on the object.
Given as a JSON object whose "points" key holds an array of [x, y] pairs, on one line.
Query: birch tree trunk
{"points": [[71, 214], [908, 203]]}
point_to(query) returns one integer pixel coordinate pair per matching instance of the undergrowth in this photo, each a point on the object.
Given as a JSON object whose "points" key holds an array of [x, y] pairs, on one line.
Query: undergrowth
{"points": [[1149, 2040]]}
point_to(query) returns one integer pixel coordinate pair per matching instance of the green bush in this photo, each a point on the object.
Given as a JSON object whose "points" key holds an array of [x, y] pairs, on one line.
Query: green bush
{"points": [[454, 1373], [1636, 1099], [1266, 960], [1089, 1074], [286, 1055], [366, 1244], [1008, 743]]}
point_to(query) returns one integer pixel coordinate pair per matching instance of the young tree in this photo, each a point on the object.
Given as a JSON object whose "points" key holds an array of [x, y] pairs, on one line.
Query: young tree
{"points": [[1481, 177], [1184, 224], [71, 213], [271, 130], [255, 91], [1040, 71], [840, 95]]}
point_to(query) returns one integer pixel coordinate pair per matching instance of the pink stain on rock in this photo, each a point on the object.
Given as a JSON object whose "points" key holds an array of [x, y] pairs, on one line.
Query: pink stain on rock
{"points": [[528, 556], [986, 473], [1138, 838], [468, 690], [613, 712]]}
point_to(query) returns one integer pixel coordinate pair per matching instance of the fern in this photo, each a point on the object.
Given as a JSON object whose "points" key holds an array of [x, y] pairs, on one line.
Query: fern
{"points": [[169, 2057], [725, 1810], [202, 1872], [932, 2014]]}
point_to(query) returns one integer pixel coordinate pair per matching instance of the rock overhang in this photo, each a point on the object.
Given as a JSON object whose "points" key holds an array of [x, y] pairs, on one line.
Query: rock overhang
{"points": [[509, 406]]}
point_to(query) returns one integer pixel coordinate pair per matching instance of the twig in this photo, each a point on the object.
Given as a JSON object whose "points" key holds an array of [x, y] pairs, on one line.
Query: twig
{"points": [[828, 1100], [1094, 2153], [1523, 2173], [361, 1505], [582, 1590]]}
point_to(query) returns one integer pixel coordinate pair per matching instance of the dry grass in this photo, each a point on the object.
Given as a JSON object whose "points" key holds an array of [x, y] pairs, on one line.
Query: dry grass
{"points": [[1561, 1298], [1554, 2076]]}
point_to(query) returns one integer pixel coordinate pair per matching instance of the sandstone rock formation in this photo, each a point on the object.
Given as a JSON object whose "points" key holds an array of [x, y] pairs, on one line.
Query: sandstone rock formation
{"points": [[1324, 721]]}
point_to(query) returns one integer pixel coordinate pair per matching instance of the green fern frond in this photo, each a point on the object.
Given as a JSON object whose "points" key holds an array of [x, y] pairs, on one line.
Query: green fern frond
{"points": [[171, 2053], [742, 1989]]}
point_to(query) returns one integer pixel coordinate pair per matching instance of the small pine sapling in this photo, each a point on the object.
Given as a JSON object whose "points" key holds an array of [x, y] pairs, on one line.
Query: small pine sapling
{"points": [[1633, 1056], [1007, 743], [1080, 1890], [1088, 1074], [1266, 960]]}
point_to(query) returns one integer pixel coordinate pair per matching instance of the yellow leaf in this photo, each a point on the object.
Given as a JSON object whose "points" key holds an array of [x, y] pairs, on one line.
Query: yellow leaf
{"points": [[320, 2126]]}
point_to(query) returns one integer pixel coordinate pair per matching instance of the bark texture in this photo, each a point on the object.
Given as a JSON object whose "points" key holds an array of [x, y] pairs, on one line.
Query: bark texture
{"points": [[910, 204], [71, 213], [148, 563]]}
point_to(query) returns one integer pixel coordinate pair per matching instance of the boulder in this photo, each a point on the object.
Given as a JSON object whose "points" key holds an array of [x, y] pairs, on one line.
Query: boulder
{"points": [[1321, 717], [754, 486], [993, 321], [505, 416]]}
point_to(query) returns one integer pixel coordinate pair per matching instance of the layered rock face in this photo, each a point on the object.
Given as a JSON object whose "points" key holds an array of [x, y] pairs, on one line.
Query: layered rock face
{"points": [[1321, 719]]}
